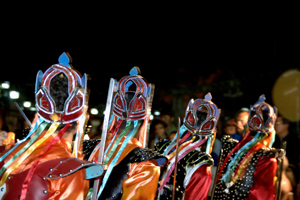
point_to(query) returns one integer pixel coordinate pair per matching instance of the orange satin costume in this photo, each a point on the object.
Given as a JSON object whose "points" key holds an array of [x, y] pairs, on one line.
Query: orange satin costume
{"points": [[142, 177], [131, 171], [73, 186]]}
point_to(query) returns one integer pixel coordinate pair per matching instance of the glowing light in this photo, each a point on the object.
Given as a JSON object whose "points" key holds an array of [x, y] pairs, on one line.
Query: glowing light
{"points": [[32, 108], [151, 117], [27, 104], [5, 85], [94, 111], [156, 113], [14, 94]]}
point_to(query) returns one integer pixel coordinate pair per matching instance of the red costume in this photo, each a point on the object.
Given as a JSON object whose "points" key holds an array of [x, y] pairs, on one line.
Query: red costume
{"points": [[247, 168], [193, 175]]}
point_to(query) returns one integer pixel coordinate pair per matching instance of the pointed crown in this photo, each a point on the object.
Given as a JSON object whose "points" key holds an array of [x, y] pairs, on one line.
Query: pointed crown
{"points": [[75, 104]]}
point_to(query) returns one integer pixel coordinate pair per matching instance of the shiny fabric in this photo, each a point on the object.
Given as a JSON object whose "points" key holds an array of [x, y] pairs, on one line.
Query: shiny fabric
{"points": [[199, 184], [142, 181], [261, 185], [182, 154], [118, 154], [193, 177], [132, 144], [37, 160], [25, 152], [70, 187], [142, 176], [264, 187]]}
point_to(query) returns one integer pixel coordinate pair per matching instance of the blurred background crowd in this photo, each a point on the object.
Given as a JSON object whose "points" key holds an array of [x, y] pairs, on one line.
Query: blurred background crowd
{"points": [[234, 61], [169, 103]]}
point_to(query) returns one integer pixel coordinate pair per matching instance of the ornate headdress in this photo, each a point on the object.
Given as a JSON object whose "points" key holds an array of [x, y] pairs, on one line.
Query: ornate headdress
{"points": [[201, 118], [74, 109], [262, 116], [75, 104], [198, 128], [206, 125], [261, 122], [132, 104]]}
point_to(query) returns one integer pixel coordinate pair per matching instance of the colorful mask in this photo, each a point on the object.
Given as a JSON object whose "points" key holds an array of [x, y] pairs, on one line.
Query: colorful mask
{"points": [[262, 116], [131, 100], [131, 108], [76, 103], [202, 116]]}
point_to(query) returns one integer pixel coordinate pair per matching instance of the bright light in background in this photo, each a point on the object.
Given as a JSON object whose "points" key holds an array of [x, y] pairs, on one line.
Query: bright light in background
{"points": [[32, 108], [14, 94], [26, 104], [156, 113], [151, 117], [94, 111], [5, 85]]}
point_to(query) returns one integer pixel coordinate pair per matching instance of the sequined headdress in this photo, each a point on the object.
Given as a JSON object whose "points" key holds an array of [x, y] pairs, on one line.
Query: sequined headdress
{"points": [[198, 128], [74, 109], [259, 133], [207, 125], [131, 107], [75, 104], [132, 104], [201, 118], [262, 116]]}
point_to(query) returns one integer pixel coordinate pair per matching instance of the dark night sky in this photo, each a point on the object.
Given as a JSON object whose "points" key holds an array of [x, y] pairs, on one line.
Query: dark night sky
{"points": [[255, 53]]}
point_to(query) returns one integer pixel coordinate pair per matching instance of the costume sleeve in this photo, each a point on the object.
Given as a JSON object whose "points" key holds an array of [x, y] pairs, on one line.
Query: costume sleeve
{"points": [[73, 187], [264, 187], [142, 181], [199, 183]]}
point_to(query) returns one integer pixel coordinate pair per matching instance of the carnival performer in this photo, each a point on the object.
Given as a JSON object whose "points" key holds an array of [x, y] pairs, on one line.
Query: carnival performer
{"points": [[247, 168], [43, 165], [196, 138], [131, 171]]}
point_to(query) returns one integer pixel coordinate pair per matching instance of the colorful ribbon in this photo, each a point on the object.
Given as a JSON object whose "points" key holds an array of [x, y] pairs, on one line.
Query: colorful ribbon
{"points": [[232, 165], [37, 160], [182, 130], [232, 151], [182, 153], [116, 143], [89, 195], [182, 146], [77, 147], [242, 165], [37, 124], [273, 133], [185, 137], [111, 124], [209, 144], [28, 152], [137, 125], [114, 134]]}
